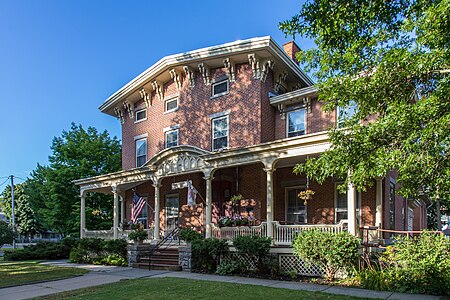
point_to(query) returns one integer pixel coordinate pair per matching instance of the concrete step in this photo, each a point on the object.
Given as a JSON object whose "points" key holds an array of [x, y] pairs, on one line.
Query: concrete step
{"points": [[157, 267]]}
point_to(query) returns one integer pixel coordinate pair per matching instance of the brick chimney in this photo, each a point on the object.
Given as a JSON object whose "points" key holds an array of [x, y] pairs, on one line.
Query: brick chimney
{"points": [[291, 48]]}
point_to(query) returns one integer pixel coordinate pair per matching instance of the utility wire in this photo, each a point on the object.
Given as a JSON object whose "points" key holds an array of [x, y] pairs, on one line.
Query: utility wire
{"points": [[4, 181]]}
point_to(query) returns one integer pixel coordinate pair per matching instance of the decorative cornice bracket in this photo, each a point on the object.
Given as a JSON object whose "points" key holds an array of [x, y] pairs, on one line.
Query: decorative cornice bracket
{"points": [[158, 88], [119, 115], [190, 75], [129, 107], [254, 63], [307, 104], [267, 65], [229, 64], [282, 110], [204, 70], [280, 80], [146, 97], [176, 76]]}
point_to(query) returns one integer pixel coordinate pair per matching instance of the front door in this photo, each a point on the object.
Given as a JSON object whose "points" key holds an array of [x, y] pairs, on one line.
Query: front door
{"points": [[172, 212], [295, 208]]}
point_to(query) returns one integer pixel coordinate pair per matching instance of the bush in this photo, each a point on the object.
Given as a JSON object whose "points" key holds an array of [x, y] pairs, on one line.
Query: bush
{"points": [[254, 246], [98, 251], [42, 250], [229, 268], [188, 234], [7, 235], [206, 253], [329, 251], [418, 265]]}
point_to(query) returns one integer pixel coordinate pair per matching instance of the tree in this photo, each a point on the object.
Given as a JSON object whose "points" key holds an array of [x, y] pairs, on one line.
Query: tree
{"points": [[78, 153], [27, 223], [392, 59], [6, 234]]}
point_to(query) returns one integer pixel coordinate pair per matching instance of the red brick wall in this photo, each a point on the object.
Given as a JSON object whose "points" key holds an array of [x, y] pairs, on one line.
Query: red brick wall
{"points": [[245, 101], [291, 48]]}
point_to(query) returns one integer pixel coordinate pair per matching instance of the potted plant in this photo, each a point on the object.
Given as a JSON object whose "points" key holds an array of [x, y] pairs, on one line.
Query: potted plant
{"points": [[188, 235], [138, 235], [306, 195], [225, 222]]}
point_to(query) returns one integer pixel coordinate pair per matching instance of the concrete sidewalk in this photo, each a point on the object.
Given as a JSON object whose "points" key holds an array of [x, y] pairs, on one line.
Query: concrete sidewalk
{"points": [[108, 274]]}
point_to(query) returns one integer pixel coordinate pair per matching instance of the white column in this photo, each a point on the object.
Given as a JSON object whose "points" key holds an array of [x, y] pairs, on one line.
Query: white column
{"points": [[378, 203], [351, 206], [157, 186], [82, 213], [208, 218], [269, 200], [116, 212], [122, 211]]}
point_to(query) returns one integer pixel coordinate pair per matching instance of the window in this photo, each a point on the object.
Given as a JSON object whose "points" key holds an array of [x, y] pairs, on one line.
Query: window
{"points": [[220, 133], [295, 208], [341, 207], [141, 115], [346, 113], [220, 88], [392, 205], [143, 216], [296, 121], [171, 138], [141, 152], [171, 104]]}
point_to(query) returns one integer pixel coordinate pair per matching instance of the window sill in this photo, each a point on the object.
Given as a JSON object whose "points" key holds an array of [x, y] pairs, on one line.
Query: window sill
{"points": [[135, 122], [170, 111], [219, 95]]}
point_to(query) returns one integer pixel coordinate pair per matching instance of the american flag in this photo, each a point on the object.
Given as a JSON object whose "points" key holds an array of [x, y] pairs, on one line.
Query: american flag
{"points": [[136, 208], [192, 194]]}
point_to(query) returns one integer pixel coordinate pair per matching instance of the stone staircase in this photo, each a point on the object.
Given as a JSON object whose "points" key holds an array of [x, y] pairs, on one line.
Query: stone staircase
{"points": [[166, 258]]}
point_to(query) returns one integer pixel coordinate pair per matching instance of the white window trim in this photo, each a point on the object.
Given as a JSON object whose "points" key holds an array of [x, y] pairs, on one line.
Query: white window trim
{"points": [[173, 109], [136, 149], [287, 121], [220, 94], [136, 113], [336, 193], [165, 137], [170, 128], [141, 136], [228, 133], [286, 196]]}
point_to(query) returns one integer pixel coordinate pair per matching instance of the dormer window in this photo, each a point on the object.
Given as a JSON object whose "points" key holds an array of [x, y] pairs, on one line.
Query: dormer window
{"points": [[220, 88], [140, 115]]}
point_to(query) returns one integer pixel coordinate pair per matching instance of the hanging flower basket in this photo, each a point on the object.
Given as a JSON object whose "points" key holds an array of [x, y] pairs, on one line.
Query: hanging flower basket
{"points": [[306, 195]]}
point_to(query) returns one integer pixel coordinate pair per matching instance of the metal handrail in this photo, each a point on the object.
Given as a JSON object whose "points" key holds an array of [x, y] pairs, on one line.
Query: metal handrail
{"points": [[173, 233]]}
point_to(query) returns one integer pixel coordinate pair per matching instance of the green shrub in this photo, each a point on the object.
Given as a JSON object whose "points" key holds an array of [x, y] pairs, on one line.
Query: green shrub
{"points": [[114, 260], [42, 250], [98, 251], [138, 234], [229, 268], [116, 247], [375, 279], [329, 251], [188, 234], [254, 246], [206, 253]]}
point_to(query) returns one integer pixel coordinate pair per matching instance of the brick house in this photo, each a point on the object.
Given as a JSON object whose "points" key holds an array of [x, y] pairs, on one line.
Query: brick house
{"points": [[234, 119]]}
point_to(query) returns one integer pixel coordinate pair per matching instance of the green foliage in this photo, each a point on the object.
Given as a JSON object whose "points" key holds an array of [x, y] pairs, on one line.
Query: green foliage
{"points": [[392, 59], [77, 153], [98, 251], [253, 246], [374, 279], [138, 234], [206, 253], [330, 251], [229, 268], [188, 234], [42, 250], [6, 234]]}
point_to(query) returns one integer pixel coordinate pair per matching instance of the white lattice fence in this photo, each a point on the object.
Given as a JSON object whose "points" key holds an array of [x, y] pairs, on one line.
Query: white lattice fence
{"points": [[292, 262], [248, 262]]}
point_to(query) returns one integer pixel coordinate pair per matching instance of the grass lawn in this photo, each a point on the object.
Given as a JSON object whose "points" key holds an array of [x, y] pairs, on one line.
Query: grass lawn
{"points": [[186, 289], [25, 272]]}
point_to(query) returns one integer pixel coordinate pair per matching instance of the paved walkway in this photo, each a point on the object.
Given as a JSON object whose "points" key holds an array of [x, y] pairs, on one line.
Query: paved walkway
{"points": [[107, 274]]}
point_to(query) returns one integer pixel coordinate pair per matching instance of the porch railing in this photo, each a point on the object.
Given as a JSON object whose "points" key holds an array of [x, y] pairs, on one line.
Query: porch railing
{"points": [[109, 234], [229, 233], [283, 234]]}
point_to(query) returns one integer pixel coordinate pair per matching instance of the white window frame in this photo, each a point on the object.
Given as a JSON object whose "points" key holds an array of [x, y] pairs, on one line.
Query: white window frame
{"points": [[223, 93], [136, 114], [287, 120], [169, 100], [169, 132], [228, 132], [286, 199], [338, 112], [336, 209], [136, 150]]}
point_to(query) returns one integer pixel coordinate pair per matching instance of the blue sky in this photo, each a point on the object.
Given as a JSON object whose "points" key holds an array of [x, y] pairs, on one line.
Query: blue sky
{"points": [[59, 60]]}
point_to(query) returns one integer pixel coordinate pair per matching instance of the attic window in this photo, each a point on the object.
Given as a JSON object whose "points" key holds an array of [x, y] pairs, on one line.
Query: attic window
{"points": [[141, 115], [220, 88]]}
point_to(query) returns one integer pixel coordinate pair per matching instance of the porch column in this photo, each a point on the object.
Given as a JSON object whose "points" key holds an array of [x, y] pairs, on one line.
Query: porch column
{"points": [[378, 203], [115, 212], [269, 199], [157, 186], [82, 213], [208, 219], [122, 210], [351, 206]]}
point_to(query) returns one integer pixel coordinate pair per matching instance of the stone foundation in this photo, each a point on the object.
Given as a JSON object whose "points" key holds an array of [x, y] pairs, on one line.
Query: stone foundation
{"points": [[136, 251], [185, 257]]}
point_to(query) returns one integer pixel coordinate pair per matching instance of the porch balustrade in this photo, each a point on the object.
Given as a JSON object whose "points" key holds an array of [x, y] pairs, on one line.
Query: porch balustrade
{"points": [[109, 234], [229, 233]]}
